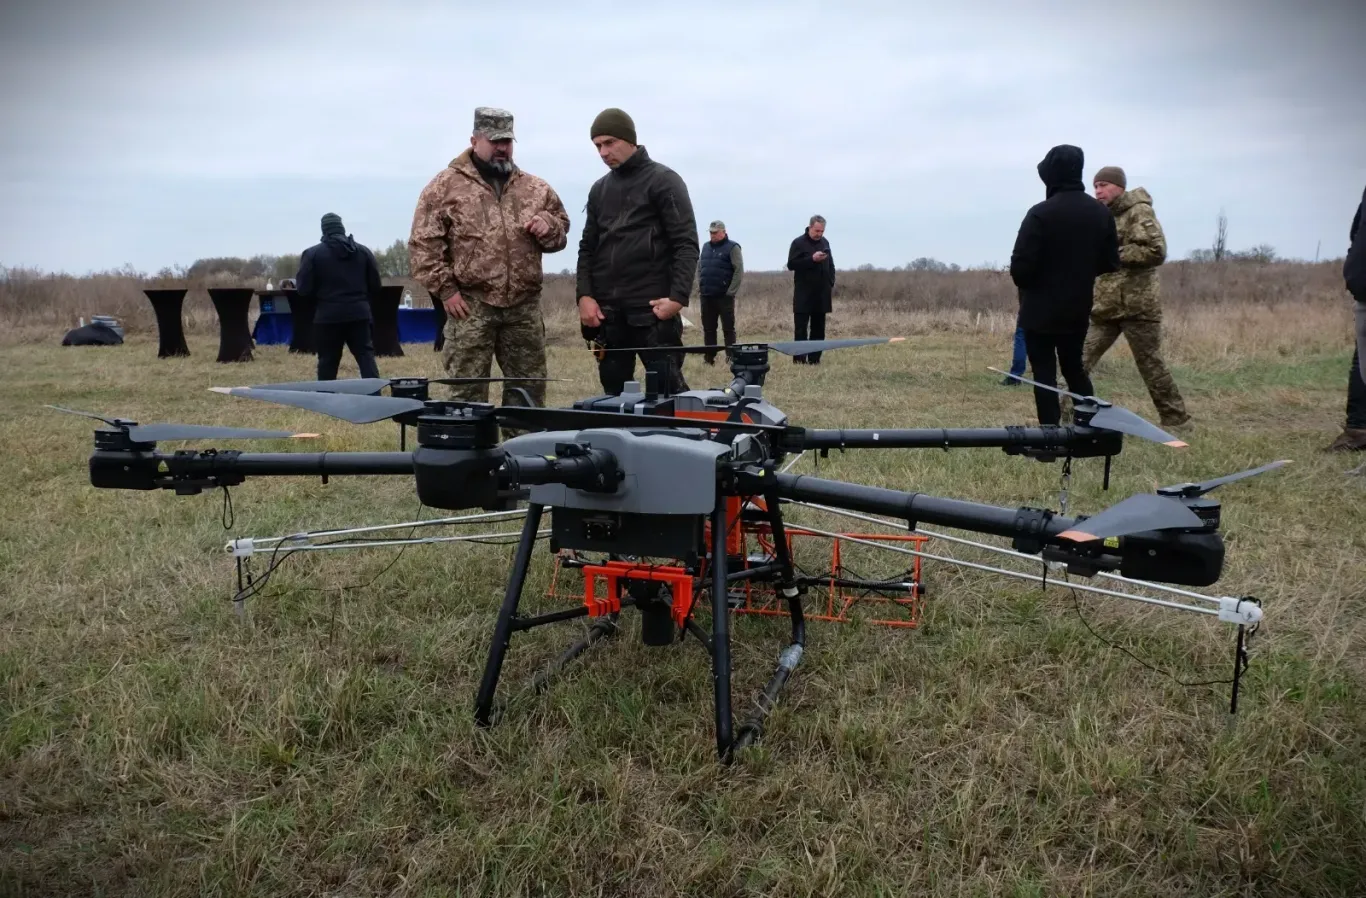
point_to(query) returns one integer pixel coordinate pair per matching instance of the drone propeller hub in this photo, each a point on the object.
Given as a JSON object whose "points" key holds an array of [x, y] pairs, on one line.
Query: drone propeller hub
{"points": [[468, 428], [120, 439]]}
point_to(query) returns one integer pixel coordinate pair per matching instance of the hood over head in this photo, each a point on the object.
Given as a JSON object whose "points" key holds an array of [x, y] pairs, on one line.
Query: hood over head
{"points": [[1061, 169]]}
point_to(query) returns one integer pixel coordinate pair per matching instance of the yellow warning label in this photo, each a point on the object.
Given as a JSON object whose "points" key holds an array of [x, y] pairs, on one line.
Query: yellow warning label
{"points": [[162, 468], [1112, 542]]}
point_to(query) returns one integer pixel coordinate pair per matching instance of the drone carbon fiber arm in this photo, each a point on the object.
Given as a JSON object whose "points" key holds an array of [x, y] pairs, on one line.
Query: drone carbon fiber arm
{"points": [[450, 478], [1189, 557], [1082, 441], [189, 470]]}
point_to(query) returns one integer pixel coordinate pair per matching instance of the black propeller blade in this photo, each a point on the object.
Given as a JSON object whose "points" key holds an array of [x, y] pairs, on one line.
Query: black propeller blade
{"points": [[802, 347], [1110, 416], [1135, 514], [372, 385], [352, 408], [581, 419], [1192, 490], [789, 347], [367, 409], [456, 381], [163, 433]]}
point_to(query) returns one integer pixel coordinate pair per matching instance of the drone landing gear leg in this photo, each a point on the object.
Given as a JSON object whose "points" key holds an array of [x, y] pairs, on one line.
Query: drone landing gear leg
{"points": [[601, 629], [720, 630], [792, 655], [502, 631]]}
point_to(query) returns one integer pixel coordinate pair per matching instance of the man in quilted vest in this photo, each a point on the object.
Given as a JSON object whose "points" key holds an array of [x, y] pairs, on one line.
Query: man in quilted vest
{"points": [[1128, 301]]}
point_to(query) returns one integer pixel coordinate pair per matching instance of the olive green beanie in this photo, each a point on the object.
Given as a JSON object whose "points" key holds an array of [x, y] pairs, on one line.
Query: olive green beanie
{"points": [[614, 123], [1112, 174]]}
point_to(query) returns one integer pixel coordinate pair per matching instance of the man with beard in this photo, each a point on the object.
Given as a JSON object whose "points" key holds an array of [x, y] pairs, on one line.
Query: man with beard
{"points": [[342, 277], [1063, 244], [478, 235], [813, 285], [637, 259]]}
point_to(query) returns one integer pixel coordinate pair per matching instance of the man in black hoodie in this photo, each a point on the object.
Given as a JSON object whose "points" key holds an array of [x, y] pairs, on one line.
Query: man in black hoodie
{"points": [[1063, 244], [342, 276]]}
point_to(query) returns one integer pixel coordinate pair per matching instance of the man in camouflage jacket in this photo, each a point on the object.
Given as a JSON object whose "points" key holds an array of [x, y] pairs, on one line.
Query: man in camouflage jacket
{"points": [[1128, 301], [479, 231]]}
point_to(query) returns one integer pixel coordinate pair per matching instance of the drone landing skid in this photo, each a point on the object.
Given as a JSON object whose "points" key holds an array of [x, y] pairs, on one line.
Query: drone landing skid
{"points": [[662, 621]]}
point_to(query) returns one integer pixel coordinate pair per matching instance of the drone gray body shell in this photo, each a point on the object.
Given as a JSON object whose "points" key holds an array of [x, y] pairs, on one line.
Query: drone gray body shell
{"points": [[670, 473]]}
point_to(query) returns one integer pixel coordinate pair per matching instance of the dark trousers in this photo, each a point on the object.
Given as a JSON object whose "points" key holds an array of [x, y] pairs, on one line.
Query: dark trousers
{"points": [[640, 327], [808, 326], [353, 335], [1047, 353], [712, 308], [1356, 395]]}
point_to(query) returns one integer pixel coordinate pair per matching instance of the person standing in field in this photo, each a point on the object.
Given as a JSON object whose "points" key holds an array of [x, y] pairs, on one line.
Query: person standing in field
{"points": [[479, 231], [1062, 245], [1127, 301], [719, 271], [1354, 276], [813, 285], [637, 259], [342, 277], [1353, 436]]}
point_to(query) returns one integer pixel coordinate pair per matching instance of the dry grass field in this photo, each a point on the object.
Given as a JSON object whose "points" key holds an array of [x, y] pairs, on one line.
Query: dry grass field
{"points": [[154, 744]]}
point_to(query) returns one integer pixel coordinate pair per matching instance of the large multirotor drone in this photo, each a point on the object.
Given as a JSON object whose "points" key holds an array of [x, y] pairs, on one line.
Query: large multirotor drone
{"points": [[685, 478]]}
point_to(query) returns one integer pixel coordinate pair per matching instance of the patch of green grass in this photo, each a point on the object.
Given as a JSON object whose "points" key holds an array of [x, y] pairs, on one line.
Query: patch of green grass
{"points": [[154, 744]]}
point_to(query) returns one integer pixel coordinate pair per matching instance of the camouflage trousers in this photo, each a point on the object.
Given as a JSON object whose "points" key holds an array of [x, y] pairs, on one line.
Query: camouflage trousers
{"points": [[1145, 341], [514, 336]]}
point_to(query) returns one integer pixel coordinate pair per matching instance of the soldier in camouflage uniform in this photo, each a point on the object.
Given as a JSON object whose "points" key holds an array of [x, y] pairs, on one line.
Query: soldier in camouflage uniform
{"points": [[1127, 301], [479, 230]]}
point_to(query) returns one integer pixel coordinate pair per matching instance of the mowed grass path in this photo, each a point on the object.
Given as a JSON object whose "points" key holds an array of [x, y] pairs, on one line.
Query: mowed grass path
{"points": [[152, 744]]}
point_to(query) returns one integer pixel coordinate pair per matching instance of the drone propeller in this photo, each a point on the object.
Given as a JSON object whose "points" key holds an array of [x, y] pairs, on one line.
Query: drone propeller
{"points": [[789, 347], [802, 347], [162, 433], [362, 409], [368, 409], [1193, 490], [1110, 416], [576, 419], [372, 385], [1136, 514]]}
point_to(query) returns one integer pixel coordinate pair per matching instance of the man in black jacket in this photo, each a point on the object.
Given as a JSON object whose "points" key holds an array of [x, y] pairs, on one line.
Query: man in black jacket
{"points": [[1353, 436], [342, 276], [1354, 275], [813, 284], [637, 258], [1063, 244]]}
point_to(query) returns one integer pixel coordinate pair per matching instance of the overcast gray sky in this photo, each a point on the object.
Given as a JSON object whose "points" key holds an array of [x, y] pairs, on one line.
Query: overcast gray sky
{"points": [[155, 133]]}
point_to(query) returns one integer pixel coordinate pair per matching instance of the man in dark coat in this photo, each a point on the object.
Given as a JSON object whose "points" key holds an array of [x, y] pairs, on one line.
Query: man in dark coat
{"points": [[1063, 245], [1354, 275], [342, 277], [1353, 436], [813, 284], [637, 258]]}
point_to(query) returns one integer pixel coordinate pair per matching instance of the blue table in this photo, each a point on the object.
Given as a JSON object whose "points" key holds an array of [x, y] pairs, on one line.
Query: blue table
{"points": [[414, 326]]}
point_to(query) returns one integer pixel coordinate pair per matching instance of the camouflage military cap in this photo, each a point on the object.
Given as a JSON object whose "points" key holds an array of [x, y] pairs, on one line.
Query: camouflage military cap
{"points": [[717, 225], [495, 124]]}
